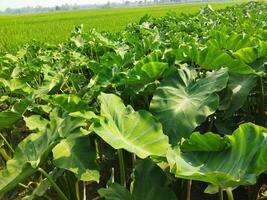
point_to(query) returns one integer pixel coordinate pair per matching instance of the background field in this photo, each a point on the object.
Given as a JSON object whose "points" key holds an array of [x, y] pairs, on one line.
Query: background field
{"points": [[15, 31]]}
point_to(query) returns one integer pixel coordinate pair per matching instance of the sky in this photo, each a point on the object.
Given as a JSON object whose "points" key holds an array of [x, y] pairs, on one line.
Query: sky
{"points": [[47, 3]]}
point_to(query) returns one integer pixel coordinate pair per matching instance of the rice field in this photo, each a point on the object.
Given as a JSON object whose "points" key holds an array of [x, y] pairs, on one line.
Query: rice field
{"points": [[54, 28]]}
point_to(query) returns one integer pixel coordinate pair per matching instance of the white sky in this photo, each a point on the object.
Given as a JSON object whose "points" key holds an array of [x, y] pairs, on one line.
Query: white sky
{"points": [[49, 3]]}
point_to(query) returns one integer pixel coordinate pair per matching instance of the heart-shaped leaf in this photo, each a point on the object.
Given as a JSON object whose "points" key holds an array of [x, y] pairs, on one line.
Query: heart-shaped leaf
{"points": [[183, 101], [123, 128]]}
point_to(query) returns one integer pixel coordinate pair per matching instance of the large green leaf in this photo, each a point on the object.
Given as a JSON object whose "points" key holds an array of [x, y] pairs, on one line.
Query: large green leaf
{"points": [[77, 155], [183, 101], [123, 128], [239, 164]]}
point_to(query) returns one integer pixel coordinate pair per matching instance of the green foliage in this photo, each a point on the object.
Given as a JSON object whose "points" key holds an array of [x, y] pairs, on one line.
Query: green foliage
{"points": [[238, 89], [34, 150], [149, 183], [123, 128], [204, 142], [44, 185], [115, 192], [170, 91], [78, 156], [8, 118], [184, 100], [239, 164]]}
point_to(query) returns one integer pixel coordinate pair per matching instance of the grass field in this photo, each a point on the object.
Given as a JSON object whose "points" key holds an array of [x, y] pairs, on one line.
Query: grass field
{"points": [[15, 31]]}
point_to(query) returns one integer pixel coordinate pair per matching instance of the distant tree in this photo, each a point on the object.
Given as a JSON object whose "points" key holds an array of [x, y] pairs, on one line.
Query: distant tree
{"points": [[107, 5]]}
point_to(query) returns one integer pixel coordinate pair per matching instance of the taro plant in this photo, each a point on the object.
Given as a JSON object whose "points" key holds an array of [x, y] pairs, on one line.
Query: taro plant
{"points": [[157, 111]]}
